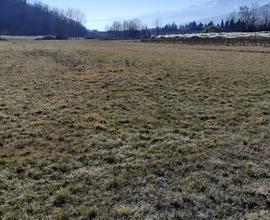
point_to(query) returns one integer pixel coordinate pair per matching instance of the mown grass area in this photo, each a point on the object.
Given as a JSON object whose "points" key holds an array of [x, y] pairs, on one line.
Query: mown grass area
{"points": [[122, 130]]}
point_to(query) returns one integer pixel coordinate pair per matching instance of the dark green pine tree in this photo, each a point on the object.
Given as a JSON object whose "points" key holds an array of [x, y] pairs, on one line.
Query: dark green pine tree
{"points": [[232, 25], [222, 24]]}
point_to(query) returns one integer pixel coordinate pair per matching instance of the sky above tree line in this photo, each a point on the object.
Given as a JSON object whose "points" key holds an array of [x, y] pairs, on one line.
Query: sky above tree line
{"points": [[104, 12]]}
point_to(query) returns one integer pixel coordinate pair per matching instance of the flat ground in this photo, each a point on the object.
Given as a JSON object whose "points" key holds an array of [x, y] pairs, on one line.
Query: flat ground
{"points": [[113, 130]]}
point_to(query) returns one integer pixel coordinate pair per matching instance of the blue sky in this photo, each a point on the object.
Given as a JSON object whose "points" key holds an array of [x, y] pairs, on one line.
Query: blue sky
{"points": [[103, 12]]}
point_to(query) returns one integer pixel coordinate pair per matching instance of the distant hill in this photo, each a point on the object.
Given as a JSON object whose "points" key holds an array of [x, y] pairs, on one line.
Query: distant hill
{"points": [[18, 17]]}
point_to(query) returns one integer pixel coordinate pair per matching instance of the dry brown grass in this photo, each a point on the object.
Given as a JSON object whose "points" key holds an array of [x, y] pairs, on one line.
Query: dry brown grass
{"points": [[121, 130]]}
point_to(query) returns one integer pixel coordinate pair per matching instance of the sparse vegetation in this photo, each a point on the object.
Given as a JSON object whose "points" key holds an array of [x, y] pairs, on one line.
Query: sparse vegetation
{"points": [[122, 130]]}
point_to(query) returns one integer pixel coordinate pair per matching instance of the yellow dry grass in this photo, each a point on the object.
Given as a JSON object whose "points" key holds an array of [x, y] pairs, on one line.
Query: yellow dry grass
{"points": [[122, 130]]}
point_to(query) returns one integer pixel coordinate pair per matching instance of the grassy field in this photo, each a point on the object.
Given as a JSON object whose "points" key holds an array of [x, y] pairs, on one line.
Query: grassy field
{"points": [[122, 130]]}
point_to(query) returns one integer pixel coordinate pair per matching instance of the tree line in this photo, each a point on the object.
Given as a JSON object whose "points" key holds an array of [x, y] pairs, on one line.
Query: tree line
{"points": [[246, 19], [19, 17], [136, 29], [128, 29]]}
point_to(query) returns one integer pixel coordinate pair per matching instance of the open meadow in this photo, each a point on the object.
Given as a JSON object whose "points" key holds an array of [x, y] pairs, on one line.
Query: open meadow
{"points": [[130, 130]]}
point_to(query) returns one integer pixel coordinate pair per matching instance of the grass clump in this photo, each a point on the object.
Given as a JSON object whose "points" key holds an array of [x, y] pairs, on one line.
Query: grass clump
{"points": [[62, 198], [90, 213]]}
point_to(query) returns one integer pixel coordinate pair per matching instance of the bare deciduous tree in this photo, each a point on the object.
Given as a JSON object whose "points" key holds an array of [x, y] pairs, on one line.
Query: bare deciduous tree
{"points": [[76, 15]]}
